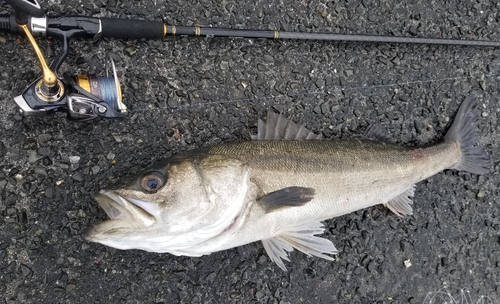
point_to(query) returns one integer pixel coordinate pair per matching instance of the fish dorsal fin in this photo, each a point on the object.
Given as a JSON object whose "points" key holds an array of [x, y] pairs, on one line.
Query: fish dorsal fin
{"points": [[278, 127], [401, 204], [287, 197], [301, 237]]}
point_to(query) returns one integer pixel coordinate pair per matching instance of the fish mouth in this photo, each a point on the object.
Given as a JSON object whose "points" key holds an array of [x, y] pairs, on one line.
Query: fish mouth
{"points": [[123, 213]]}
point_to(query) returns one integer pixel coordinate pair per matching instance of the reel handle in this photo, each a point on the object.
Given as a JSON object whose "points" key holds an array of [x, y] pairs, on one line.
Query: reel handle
{"points": [[49, 88]]}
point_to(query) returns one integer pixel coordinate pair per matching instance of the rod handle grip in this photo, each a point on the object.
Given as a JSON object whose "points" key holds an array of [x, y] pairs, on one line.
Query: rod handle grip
{"points": [[134, 29]]}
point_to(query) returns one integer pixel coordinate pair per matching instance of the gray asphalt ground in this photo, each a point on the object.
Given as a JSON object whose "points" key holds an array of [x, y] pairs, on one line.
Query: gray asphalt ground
{"points": [[185, 93]]}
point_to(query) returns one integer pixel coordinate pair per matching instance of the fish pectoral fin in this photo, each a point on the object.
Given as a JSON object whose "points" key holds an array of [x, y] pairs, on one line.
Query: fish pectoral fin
{"points": [[301, 237], [401, 204], [287, 197]]}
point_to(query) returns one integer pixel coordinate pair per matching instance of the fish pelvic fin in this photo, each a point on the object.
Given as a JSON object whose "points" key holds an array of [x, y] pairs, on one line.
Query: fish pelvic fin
{"points": [[473, 158], [301, 237], [401, 204], [278, 127]]}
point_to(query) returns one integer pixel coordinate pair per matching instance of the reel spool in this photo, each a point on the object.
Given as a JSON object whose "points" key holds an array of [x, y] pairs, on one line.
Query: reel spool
{"points": [[106, 88], [92, 96]]}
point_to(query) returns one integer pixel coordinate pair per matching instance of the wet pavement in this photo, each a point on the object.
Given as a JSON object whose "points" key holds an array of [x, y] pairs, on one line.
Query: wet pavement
{"points": [[185, 93]]}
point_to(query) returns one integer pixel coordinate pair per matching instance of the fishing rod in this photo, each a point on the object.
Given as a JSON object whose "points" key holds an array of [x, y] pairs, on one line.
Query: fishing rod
{"points": [[86, 97]]}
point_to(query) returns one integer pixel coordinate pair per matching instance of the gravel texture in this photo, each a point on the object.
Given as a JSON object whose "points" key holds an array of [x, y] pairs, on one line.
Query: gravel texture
{"points": [[184, 93]]}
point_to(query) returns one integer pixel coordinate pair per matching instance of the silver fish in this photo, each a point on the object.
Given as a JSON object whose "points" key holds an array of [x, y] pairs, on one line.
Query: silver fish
{"points": [[276, 189]]}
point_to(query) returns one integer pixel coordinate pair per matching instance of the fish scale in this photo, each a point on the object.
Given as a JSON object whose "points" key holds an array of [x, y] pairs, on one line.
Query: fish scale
{"points": [[347, 175]]}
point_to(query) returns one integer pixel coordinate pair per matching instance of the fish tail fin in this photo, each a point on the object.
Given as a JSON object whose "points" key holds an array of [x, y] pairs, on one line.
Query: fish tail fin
{"points": [[473, 158]]}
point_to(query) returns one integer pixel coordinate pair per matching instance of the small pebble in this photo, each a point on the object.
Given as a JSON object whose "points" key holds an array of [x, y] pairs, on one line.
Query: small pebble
{"points": [[480, 194], [259, 294], [110, 155], [117, 137], [407, 263], [130, 51]]}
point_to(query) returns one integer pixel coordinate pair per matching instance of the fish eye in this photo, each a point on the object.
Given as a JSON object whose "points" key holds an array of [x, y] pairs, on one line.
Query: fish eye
{"points": [[153, 181]]}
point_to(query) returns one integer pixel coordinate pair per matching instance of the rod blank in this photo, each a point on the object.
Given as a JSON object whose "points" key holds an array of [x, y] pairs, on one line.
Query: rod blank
{"points": [[243, 33], [136, 29]]}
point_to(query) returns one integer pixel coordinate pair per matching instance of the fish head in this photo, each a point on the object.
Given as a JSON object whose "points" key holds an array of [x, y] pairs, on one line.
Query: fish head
{"points": [[176, 206]]}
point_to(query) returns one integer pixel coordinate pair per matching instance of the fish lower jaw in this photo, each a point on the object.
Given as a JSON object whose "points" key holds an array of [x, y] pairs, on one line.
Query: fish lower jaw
{"points": [[124, 208], [89, 234], [94, 233]]}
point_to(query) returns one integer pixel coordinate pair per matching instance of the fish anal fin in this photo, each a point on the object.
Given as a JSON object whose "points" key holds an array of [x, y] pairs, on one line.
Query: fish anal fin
{"points": [[401, 204], [287, 197], [301, 237], [277, 251], [278, 127]]}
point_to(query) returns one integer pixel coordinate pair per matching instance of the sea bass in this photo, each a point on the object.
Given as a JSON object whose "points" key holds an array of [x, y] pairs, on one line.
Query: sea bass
{"points": [[275, 189]]}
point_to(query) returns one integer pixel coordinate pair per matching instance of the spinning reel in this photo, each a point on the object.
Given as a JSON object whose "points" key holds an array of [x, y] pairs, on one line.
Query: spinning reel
{"points": [[84, 97]]}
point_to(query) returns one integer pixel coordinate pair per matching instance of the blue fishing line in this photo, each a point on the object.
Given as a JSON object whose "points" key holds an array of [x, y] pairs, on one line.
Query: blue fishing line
{"points": [[326, 91], [108, 91], [102, 87]]}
